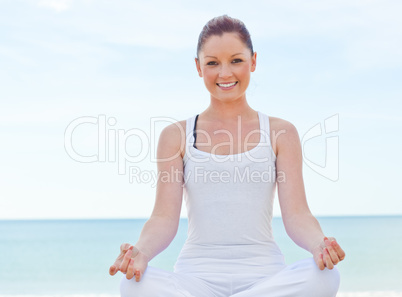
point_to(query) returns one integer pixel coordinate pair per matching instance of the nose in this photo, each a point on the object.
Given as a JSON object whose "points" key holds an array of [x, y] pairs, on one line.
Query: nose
{"points": [[225, 70]]}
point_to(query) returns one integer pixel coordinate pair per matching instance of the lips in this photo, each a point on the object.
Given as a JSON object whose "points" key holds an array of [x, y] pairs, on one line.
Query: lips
{"points": [[227, 85]]}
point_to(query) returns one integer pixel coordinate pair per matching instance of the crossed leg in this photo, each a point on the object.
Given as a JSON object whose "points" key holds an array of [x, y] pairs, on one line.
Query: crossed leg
{"points": [[301, 279], [157, 282]]}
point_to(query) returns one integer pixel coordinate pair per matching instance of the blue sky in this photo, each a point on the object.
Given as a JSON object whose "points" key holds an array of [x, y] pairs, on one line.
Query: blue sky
{"points": [[130, 61]]}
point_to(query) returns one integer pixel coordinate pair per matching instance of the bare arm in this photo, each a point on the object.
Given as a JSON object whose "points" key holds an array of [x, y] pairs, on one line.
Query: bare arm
{"points": [[160, 229], [301, 226]]}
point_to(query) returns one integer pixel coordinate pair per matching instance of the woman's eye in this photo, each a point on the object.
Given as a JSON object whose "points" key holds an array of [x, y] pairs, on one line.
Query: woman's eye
{"points": [[235, 61]]}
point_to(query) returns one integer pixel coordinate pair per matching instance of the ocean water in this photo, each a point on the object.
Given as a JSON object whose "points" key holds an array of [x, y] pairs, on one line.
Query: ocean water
{"points": [[72, 257]]}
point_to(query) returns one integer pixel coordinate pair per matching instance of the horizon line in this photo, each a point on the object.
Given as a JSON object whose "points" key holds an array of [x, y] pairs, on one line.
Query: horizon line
{"points": [[184, 218]]}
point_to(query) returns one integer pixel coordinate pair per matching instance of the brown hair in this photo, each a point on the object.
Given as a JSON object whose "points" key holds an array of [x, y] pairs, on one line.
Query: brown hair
{"points": [[224, 24]]}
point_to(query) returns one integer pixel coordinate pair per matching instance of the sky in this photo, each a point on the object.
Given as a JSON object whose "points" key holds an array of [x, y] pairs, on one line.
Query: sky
{"points": [[87, 86]]}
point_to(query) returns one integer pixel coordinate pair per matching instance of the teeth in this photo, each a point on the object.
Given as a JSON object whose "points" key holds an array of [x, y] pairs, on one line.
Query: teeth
{"points": [[227, 85]]}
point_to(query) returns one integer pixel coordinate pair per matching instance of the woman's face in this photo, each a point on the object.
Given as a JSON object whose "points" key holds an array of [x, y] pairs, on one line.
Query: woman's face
{"points": [[225, 63]]}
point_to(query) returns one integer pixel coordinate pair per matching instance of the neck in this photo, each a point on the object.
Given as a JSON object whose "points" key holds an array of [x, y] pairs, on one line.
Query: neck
{"points": [[229, 111]]}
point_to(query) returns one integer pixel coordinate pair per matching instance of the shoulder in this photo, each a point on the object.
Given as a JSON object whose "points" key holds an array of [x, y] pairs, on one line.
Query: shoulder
{"points": [[172, 139], [283, 134], [278, 124]]}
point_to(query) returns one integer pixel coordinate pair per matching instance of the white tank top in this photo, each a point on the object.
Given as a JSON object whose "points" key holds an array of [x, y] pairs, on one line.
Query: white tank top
{"points": [[229, 198]]}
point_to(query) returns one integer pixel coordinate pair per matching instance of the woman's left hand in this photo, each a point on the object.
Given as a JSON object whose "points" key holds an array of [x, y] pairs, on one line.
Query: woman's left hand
{"points": [[328, 253]]}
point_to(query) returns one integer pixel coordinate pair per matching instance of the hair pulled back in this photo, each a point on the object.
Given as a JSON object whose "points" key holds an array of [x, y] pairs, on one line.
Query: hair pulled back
{"points": [[224, 24]]}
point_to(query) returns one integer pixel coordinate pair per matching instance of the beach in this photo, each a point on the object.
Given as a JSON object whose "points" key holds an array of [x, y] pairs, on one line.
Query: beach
{"points": [[71, 258]]}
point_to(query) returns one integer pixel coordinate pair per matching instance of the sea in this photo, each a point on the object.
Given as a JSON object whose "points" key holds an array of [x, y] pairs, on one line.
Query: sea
{"points": [[72, 257]]}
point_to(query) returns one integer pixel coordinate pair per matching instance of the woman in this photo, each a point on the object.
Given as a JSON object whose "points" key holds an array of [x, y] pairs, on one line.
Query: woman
{"points": [[230, 161]]}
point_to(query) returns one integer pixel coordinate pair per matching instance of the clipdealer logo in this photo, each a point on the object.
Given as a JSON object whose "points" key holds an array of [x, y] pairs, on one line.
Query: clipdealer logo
{"points": [[112, 146], [330, 168], [111, 143]]}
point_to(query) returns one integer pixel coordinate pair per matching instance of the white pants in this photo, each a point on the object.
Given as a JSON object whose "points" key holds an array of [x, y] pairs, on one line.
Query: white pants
{"points": [[300, 279]]}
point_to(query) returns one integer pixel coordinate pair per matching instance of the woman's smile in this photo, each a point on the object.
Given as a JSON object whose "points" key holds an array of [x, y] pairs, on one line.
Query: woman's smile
{"points": [[227, 86]]}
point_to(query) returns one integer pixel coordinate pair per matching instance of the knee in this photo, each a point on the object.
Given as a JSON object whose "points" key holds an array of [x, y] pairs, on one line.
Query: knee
{"points": [[329, 280], [130, 288], [125, 287], [324, 282], [144, 288]]}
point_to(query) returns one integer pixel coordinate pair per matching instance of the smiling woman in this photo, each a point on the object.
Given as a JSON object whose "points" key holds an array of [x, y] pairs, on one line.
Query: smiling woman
{"points": [[230, 249], [225, 64]]}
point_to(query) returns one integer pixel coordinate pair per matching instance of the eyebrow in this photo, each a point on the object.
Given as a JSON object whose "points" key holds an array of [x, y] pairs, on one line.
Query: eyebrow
{"points": [[216, 57]]}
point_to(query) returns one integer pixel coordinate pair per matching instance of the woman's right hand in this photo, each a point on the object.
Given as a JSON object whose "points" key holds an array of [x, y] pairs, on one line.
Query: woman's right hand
{"points": [[131, 261]]}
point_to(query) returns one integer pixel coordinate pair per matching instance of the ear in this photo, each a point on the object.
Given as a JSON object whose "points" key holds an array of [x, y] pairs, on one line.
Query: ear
{"points": [[197, 64], [254, 62]]}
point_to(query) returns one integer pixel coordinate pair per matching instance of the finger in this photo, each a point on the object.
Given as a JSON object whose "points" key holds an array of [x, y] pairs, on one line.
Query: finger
{"points": [[320, 263], [130, 269], [333, 254], [113, 269], [327, 259], [117, 264], [141, 263], [124, 248], [339, 250], [126, 260], [137, 275]]}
